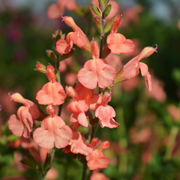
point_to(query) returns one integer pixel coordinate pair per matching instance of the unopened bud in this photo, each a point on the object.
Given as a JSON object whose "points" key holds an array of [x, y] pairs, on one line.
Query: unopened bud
{"points": [[17, 98], [70, 22], [105, 145], [51, 55], [106, 98], [98, 23], [72, 92], [51, 110], [50, 73], [116, 23], [146, 52], [94, 142], [94, 49], [57, 35], [96, 10], [103, 4], [107, 10], [41, 67]]}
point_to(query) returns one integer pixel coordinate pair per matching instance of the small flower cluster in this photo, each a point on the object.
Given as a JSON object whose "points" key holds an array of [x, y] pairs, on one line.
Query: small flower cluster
{"points": [[88, 107]]}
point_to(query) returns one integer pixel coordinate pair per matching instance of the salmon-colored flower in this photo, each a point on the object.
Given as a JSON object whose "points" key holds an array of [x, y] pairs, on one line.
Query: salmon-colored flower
{"points": [[131, 69], [96, 160], [91, 99], [77, 37], [53, 131], [78, 145], [77, 108], [96, 71], [22, 124], [105, 113], [52, 92], [55, 10], [116, 42]]}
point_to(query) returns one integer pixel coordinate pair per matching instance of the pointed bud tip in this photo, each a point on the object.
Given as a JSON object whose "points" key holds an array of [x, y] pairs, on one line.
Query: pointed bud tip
{"points": [[155, 49], [51, 110], [105, 145], [17, 97]]}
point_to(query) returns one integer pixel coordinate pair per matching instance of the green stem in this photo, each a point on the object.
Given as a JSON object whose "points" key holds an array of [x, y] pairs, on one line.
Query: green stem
{"points": [[102, 36], [169, 149], [59, 81], [94, 126]]}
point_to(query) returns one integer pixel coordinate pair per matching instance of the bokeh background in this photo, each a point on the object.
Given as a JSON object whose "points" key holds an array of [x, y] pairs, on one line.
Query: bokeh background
{"points": [[146, 144]]}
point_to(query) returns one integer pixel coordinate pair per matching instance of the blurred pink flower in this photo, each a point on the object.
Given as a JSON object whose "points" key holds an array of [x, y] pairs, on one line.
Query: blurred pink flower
{"points": [[55, 10], [114, 61], [140, 136], [178, 24], [131, 15], [157, 92], [146, 157], [70, 78], [98, 176], [130, 85], [174, 112]]}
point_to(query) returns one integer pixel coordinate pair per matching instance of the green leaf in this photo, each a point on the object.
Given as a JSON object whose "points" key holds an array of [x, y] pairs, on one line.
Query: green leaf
{"points": [[65, 56], [96, 10], [12, 137], [30, 161], [107, 11], [47, 163], [109, 24], [104, 2]]}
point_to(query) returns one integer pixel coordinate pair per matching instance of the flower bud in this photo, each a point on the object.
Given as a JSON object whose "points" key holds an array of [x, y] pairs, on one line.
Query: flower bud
{"points": [[41, 67], [94, 142], [70, 22], [50, 73], [96, 10], [57, 35], [94, 49], [115, 25], [51, 110], [72, 92], [98, 23], [109, 24], [51, 55], [107, 10], [105, 145], [17, 98], [146, 52]]}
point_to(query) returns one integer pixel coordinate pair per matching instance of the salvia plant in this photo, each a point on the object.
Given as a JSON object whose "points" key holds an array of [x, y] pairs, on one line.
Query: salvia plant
{"points": [[87, 99]]}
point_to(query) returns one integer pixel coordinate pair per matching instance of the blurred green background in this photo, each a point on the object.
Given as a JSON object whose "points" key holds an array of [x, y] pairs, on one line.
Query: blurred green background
{"points": [[146, 144]]}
